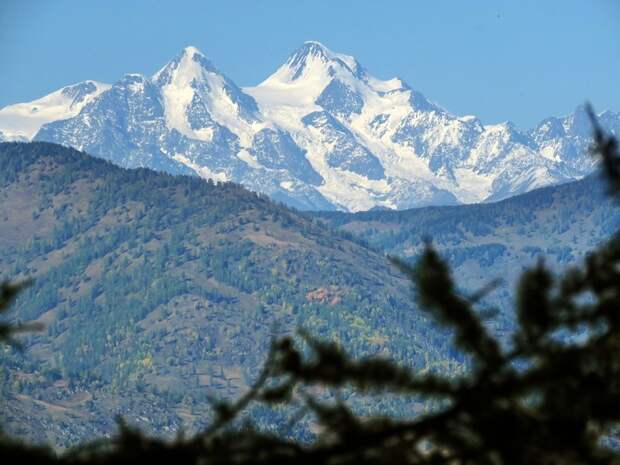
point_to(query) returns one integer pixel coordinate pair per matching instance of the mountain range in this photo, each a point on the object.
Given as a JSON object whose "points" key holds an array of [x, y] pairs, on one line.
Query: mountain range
{"points": [[320, 133]]}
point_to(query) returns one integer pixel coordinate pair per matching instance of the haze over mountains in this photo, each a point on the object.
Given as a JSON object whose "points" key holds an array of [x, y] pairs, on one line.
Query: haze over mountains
{"points": [[320, 133]]}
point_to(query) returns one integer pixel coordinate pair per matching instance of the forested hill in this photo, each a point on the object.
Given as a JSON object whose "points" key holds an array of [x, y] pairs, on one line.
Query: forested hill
{"points": [[484, 242], [160, 292]]}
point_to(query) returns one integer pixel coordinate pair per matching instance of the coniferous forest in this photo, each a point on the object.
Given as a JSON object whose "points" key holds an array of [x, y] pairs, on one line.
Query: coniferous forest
{"points": [[159, 293]]}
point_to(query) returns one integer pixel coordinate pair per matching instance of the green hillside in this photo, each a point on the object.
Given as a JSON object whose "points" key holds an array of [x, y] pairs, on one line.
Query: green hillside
{"points": [[485, 242], [159, 293]]}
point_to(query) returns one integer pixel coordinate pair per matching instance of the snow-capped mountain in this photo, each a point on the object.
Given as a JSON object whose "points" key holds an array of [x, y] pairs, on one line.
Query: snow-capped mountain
{"points": [[319, 133], [188, 118], [22, 121]]}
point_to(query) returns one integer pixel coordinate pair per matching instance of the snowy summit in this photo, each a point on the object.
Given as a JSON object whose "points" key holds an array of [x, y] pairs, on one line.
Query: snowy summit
{"points": [[319, 133]]}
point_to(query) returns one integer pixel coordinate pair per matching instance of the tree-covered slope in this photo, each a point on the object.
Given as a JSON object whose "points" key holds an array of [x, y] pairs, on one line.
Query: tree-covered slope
{"points": [[485, 242], [159, 293]]}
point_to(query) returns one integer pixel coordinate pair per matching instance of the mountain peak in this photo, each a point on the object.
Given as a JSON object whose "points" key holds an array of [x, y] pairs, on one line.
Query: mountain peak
{"points": [[313, 54], [188, 63], [315, 44], [317, 49], [22, 121], [313, 47], [190, 51]]}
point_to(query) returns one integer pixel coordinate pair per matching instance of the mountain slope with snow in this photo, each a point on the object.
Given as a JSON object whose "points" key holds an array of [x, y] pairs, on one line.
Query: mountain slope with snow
{"points": [[22, 120], [319, 133]]}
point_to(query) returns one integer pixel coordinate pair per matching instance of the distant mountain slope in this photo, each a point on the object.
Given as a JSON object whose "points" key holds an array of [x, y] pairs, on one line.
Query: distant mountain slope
{"points": [[23, 120], [160, 292], [320, 133], [483, 242]]}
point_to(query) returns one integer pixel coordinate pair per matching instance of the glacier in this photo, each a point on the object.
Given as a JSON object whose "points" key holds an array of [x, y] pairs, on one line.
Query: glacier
{"points": [[320, 133]]}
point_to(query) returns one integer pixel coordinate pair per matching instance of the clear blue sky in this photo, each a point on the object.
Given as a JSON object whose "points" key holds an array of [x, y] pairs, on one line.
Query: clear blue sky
{"points": [[520, 60]]}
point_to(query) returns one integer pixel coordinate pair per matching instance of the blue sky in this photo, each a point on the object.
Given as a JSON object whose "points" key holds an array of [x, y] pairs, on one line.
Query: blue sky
{"points": [[518, 60]]}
